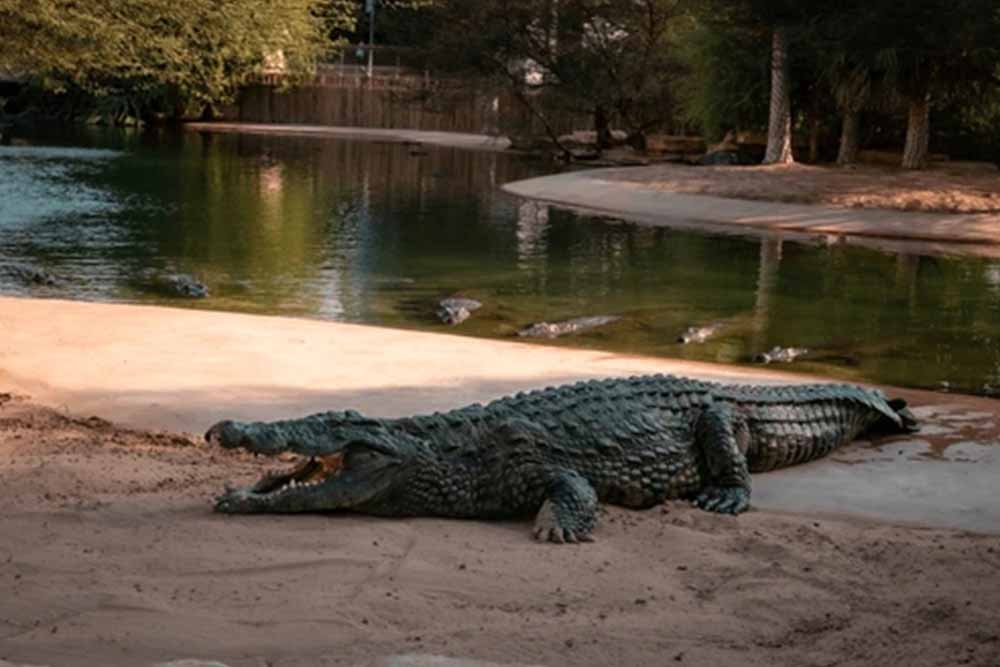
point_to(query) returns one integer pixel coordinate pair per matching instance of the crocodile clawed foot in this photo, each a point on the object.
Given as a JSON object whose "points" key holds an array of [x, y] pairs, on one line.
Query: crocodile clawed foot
{"points": [[724, 499], [549, 528]]}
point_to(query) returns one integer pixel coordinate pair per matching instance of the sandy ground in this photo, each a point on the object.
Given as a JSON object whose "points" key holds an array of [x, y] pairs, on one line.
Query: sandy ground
{"points": [[111, 556], [942, 188]]}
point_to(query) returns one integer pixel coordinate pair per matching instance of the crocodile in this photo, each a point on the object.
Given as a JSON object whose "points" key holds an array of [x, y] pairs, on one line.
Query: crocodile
{"points": [[566, 327], [698, 334], [558, 452], [456, 310], [784, 355]]}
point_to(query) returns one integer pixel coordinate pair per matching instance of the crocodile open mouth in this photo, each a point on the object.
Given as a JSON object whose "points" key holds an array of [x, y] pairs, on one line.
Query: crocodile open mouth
{"points": [[311, 472]]}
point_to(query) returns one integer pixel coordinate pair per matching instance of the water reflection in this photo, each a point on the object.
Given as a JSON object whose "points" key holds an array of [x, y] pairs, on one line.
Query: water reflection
{"points": [[371, 232]]}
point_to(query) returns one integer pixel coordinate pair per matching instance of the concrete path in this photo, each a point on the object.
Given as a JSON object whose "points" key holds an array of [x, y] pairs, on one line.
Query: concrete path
{"points": [[176, 369], [593, 191], [482, 142]]}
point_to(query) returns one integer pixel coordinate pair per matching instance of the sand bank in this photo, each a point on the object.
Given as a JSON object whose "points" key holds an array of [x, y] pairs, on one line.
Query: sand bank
{"points": [[110, 554]]}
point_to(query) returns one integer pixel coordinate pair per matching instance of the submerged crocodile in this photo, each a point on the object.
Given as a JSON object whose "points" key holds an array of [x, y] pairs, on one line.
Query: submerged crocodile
{"points": [[566, 327], [556, 453], [456, 310]]}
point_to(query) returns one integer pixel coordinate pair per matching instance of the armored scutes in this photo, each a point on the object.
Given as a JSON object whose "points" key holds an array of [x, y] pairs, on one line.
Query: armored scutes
{"points": [[556, 453]]}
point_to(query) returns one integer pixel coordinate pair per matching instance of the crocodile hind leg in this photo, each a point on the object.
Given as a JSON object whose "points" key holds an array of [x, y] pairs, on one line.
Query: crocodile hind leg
{"points": [[569, 512], [718, 437]]}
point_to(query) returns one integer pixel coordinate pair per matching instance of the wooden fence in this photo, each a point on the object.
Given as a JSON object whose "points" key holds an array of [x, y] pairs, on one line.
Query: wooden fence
{"points": [[393, 97]]}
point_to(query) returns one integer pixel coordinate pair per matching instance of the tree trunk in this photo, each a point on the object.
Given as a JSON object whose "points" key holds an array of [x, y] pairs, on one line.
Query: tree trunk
{"points": [[603, 128], [918, 130], [779, 133], [814, 132], [848, 152]]}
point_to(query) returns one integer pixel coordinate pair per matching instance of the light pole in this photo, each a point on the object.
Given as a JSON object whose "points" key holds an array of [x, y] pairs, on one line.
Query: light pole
{"points": [[370, 10]]}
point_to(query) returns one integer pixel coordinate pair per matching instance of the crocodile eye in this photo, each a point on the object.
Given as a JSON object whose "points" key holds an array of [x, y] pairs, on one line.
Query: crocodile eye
{"points": [[362, 455]]}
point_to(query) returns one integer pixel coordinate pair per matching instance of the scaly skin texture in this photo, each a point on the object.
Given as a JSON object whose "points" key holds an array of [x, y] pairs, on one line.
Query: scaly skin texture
{"points": [[556, 453]]}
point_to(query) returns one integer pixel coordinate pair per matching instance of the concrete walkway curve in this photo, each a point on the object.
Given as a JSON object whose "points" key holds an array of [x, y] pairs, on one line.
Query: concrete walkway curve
{"points": [[593, 190]]}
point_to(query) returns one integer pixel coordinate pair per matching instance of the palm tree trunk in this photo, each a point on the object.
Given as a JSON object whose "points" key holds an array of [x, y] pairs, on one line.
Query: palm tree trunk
{"points": [[779, 133], [848, 152], [918, 130]]}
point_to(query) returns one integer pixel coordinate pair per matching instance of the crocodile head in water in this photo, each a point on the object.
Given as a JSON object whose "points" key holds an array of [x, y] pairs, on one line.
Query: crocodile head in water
{"points": [[344, 461]]}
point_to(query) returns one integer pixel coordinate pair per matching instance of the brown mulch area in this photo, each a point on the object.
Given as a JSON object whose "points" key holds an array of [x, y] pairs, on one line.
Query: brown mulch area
{"points": [[943, 188]]}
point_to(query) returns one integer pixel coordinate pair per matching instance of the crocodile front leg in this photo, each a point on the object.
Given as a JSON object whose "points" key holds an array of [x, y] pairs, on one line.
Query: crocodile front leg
{"points": [[569, 512], [722, 440]]}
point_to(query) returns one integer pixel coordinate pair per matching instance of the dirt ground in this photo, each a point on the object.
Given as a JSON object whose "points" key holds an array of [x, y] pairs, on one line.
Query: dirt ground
{"points": [[943, 188], [110, 555]]}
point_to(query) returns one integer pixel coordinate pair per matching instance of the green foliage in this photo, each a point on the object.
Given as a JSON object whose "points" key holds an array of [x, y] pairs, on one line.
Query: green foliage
{"points": [[968, 125], [856, 55], [201, 51], [727, 78]]}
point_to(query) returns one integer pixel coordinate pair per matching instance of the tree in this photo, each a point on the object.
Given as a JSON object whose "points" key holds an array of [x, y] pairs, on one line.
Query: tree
{"points": [[609, 59], [932, 49], [867, 55], [780, 24], [779, 132], [138, 51], [725, 80]]}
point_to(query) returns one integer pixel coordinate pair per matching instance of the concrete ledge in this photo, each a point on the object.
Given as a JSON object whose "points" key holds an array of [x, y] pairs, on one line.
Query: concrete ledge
{"points": [[482, 142]]}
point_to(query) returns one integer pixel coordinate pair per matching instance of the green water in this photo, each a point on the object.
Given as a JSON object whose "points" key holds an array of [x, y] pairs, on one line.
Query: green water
{"points": [[366, 232]]}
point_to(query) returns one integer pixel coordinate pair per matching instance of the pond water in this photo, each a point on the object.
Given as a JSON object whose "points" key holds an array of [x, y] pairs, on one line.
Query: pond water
{"points": [[371, 232]]}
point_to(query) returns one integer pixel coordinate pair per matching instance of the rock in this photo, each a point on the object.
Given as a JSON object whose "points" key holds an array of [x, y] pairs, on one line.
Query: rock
{"points": [[28, 275], [456, 310], [575, 325], [785, 355], [698, 334]]}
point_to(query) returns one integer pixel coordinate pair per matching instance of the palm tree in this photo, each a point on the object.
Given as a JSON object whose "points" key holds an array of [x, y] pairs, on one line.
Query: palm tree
{"points": [[779, 131]]}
